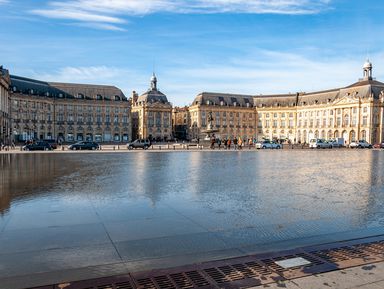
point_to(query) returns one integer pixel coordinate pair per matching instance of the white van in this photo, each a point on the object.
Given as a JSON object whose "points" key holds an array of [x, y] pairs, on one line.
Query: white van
{"points": [[318, 143]]}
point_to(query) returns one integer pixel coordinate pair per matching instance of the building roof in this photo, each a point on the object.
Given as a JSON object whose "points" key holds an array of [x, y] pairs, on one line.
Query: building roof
{"points": [[153, 95], [25, 85], [227, 99]]}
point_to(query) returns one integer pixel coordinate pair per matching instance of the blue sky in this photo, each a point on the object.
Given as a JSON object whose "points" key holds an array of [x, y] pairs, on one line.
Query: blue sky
{"points": [[232, 46]]}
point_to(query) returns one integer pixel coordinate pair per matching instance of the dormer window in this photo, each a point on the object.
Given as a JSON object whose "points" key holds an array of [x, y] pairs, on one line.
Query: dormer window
{"points": [[99, 97], [60, 95], [247, 104], [207, 102], [14, 89], [117, 98], [31, 91], [80, 96]]}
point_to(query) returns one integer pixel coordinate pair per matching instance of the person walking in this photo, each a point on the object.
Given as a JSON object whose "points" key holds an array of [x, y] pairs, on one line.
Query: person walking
{"points": [[219, 143], [235, 143], [213, 142], [225, 143], [240, 143], [229, 143]]}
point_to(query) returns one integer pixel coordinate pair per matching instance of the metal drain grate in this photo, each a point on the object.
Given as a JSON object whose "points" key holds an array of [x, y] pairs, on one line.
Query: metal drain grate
{"points": [[345, 256], [197, 278], [247, 271], [182, 281], [145, 283], [375, 248]]}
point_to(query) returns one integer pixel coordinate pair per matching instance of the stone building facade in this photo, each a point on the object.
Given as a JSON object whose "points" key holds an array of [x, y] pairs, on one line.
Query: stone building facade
{"points": [[234, 115], [5, 133], [181, 122], [352, 113], [68, 112], [152, 114]]}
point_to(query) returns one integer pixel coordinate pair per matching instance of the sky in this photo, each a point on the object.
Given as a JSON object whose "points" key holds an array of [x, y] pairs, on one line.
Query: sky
{"points": [[193, 46]]}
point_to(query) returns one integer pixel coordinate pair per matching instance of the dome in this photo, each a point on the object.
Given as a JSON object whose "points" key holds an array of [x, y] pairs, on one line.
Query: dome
{"points": [[367, 64], [153, 96]]}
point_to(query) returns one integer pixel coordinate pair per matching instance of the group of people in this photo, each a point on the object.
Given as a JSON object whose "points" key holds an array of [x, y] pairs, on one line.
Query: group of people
{"points": [[237, 143]]}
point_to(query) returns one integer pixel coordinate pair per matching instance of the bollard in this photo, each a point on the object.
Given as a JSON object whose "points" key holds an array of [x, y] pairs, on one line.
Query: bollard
{"points": [[167, 146], [118, 147], [21, 148], [159, 147], [173, 147], [187, 147], [114, 148], [62, 148]]}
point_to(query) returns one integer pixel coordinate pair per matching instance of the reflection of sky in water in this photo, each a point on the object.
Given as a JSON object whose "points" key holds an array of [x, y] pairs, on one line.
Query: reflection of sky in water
{"points": [[329, 190]]}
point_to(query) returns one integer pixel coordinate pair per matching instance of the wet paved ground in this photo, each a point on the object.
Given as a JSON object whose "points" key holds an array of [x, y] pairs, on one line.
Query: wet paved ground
{"points": [[89, 215]]}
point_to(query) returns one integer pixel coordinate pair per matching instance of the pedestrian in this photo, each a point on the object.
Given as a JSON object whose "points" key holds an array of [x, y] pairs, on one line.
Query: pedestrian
{"points": [[229, 143], [225, 143], [240, 143], [212, 142], [235, 143], [219, 143]]}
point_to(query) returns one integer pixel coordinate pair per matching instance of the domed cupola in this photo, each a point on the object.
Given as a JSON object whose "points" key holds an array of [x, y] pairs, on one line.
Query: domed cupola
{"points": [[367, 68]]}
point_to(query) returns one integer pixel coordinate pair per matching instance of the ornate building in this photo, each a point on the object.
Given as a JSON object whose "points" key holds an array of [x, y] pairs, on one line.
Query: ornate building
{"points": [[152, 114], [353, 112], [181, 122], [4, 107], [68, 112], [234, 115]]}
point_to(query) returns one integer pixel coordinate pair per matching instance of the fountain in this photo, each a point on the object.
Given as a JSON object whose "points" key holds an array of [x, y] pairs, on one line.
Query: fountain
{"points": [[210, 131]]}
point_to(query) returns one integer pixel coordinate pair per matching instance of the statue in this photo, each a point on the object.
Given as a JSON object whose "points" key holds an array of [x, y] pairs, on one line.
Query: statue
{"points": [[210, 121]]}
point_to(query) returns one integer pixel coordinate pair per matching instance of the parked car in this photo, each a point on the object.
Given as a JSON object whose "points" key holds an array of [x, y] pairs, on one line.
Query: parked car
{"points": [[38, 146], [318, 143], [267, 144], [379, 145], [52, 142], [84, 145], [139, 144], [361, 144], [335, 144]]}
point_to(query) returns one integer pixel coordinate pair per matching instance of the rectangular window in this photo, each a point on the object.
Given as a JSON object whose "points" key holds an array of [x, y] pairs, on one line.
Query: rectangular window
{"points": [[158, 119], [365, 120]]}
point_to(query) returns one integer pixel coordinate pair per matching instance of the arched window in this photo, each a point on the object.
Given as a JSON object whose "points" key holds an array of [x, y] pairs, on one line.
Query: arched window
{"points": [[363, 135], [336, 134], [346, 120]]}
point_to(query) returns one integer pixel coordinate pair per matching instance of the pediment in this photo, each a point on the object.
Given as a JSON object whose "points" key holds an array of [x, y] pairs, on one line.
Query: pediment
{"points": [[347, 99]]}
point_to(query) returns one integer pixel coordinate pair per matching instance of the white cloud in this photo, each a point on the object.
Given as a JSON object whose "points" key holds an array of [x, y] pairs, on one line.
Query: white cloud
{"points": [[3, 2], [114, 11]]}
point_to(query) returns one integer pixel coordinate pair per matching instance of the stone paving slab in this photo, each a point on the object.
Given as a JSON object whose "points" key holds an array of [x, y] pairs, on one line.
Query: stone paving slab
{"points": [[363, 277], [15, 264], [48, 238]]}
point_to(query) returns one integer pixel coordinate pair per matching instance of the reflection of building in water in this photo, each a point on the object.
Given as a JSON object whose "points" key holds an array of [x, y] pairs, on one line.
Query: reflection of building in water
{"points": [[4, 106], [68, 112], [152, 114], [22, 176]]}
